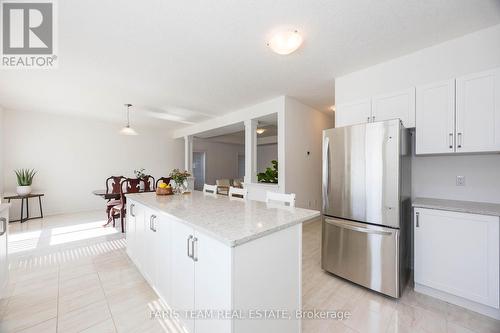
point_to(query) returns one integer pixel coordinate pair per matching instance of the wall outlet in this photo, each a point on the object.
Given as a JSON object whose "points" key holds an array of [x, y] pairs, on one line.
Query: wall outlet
{"points": [[460, 180]]}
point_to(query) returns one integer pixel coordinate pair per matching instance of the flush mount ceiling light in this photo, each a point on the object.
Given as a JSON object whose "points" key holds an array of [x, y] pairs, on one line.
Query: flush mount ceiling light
{"points": [[260, 130], [127, 130], [285, 42]]}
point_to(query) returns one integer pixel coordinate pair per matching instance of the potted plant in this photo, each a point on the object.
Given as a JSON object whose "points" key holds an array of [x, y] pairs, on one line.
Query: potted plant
{"points": [[180, 179], [270, 175], [24, 180], [139, 174]]}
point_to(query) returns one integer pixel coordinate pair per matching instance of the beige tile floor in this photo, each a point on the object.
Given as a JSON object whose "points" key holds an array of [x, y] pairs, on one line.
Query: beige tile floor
{"points": [[68, 274]]}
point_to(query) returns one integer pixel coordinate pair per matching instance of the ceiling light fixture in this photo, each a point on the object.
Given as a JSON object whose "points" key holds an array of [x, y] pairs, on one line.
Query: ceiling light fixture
{"points": [[332, 108], [285, 42], [127, 130], [260, 130]]}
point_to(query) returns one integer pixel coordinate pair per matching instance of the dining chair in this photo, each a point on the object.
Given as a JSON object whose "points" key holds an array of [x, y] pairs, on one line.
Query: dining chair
{"points": [[223, 186], [165, 180], [237, 192], [281, 197], [113, 186], [210, 189], [149, 183], [129, 185]]}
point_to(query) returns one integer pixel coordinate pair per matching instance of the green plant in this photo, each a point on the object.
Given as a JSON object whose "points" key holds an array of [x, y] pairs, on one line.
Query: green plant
{"points": [[270, 175], [179, 177], [25, 176]]}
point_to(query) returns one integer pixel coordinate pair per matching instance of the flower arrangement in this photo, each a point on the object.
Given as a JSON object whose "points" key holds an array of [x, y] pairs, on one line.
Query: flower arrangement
{"points": [[179, 177], [139, 173]]}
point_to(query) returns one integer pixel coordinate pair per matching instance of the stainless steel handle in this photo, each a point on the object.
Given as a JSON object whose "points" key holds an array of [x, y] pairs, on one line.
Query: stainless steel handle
{"points": [[451, 140], [152, 223], [194, 249], [459, 140], [189, 254], [368, 119], [373, 119], [326, 172], [360, 229], [132, 206], [4, 225], [417, 217]]}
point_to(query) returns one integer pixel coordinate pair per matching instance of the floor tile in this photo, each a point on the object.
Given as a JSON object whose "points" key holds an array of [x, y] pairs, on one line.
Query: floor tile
{"points": [[83, 318]]}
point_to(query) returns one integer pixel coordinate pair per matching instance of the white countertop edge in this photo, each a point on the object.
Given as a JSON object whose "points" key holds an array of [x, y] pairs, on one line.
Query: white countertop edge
{"points": [[471, 207], [229, 243]]}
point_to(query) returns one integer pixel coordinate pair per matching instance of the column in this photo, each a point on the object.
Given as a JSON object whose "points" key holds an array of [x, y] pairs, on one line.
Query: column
{"points": [[250, 151], [188, 153]]}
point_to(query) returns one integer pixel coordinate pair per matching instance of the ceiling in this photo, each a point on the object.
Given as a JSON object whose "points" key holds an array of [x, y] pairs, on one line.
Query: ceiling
{"points": [[187, 61]]}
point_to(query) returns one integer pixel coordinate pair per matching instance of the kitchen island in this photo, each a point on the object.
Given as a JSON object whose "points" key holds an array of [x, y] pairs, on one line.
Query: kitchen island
{"points": [[220, 265]]}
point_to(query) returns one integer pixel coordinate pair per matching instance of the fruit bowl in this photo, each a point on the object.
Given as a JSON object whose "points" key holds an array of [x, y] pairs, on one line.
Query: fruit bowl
{"points": [[164, 191]]}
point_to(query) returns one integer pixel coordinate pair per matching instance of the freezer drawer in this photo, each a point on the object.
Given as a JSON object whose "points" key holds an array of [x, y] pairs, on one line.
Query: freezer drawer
{"points": [[362, 253]]}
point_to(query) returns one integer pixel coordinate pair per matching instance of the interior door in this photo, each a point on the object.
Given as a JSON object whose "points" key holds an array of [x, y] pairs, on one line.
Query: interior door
{"points": [[212, 282], [435, 118], [478, 112], [183, 272]]}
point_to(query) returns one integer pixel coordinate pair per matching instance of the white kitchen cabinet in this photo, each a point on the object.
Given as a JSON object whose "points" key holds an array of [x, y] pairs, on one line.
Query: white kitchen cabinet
{"points": [[435, 118], [149, 269], [478, 112], [457, 257], [135, 231], [353, 113], [182, 296], [395, 105], [4, 270], [164, 258], [212, 281]]}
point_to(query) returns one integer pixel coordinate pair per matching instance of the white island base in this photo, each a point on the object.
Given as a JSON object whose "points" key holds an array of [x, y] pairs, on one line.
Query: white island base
{"points": [[221, 265]]}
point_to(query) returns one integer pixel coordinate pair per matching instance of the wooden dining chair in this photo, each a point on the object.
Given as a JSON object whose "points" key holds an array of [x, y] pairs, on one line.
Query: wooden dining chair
{"points": [[113, 186], [281, 197], [149, 183], [165, 180], [129, 185], [237, 192], [210, 189]]}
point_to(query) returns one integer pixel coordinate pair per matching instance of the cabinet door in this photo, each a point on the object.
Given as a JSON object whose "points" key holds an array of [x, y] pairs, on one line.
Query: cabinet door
{"points": [[435, 118], [399, 104], [4, 271], [478, 112], [182, 295], [212, 282], [130, 229], [458, 253], [353, 113], [136, 248], [149, 269], [163, 258]]}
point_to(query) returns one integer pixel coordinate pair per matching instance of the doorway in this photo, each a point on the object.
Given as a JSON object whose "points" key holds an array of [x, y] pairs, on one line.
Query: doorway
{"points": [[199, 170]]}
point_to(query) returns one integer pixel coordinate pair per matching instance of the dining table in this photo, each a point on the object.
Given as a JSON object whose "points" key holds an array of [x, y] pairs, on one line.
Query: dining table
{"points": [[106, 195]]}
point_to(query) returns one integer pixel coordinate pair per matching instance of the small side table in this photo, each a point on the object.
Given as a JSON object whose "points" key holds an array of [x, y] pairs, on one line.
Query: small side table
{"points": [[27, 197]]}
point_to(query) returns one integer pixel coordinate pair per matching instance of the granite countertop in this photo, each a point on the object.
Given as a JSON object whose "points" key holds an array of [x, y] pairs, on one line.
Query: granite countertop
{"points": [[472, 207], [232, 221]]}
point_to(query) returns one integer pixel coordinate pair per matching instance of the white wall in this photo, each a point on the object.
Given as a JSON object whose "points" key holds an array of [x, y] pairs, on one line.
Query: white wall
{"points": [[1, 153], [303, 133], [221, 159], [74, 156], [266, 154], [434, 176]]}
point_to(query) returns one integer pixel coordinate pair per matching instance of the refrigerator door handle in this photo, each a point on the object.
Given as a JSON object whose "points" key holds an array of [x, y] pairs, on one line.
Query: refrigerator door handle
{"points": [[359, 229], [326, 172]]}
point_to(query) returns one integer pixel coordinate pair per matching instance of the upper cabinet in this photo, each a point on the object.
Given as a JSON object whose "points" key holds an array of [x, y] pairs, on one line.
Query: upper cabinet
{"points": [[353, 113], [400, 105], [478, 112], [459, 116], [435, 118]]}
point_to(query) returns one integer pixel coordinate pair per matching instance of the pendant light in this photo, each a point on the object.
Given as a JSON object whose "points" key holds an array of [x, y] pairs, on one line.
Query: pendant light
{"points": [[127, 130]]}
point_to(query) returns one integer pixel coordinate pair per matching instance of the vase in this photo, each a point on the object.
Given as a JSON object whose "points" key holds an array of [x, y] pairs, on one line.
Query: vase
{"points": [[180, 188], [23, 190]]}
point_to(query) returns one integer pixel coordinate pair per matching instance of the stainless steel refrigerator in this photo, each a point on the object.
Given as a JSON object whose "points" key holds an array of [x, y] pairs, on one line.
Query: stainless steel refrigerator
{"points": [[366, 204]]}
